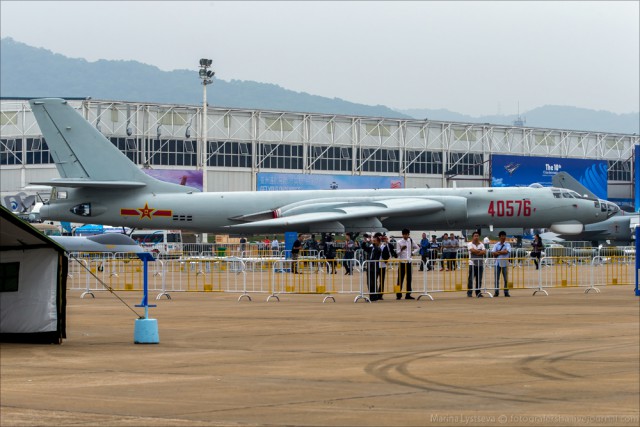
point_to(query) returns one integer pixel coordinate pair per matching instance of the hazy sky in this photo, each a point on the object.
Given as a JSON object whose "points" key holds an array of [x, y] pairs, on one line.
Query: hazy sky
{"points": [[471, 57]]}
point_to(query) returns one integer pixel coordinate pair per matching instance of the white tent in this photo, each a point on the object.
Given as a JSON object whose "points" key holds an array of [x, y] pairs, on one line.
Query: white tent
{"points": [[33, 278]]}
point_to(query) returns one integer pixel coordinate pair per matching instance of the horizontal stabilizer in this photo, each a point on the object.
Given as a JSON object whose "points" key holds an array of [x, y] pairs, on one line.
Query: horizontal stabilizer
{"points": [[85, 183]]}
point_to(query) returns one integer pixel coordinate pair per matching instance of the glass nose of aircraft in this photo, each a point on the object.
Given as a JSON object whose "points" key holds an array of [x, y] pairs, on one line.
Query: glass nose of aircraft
{"points": [[608, 207]]}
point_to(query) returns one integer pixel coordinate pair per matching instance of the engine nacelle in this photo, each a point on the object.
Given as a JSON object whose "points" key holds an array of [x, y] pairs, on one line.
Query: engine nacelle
{"points": [[568, 228]]}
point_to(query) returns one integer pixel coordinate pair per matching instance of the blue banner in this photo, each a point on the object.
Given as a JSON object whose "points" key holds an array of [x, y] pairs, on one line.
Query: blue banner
{"points": [[519, 171], [268, 181]]}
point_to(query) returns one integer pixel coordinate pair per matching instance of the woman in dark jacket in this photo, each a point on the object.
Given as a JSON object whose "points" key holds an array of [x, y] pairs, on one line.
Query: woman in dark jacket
{"points": [[536, 251], [350, 246]]}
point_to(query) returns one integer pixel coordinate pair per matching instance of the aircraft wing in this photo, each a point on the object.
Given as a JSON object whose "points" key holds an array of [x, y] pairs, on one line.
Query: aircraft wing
{"points": [[322, 211]]}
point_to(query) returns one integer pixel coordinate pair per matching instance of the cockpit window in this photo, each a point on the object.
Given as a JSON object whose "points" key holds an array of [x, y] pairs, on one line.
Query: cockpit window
{"points": [[612, 209], [567, 195], [557, 195], [83, 209], [575, 194]]}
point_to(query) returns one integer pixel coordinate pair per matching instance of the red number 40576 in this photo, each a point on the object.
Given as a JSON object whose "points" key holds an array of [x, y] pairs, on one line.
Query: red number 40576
{"points": [[510, 208]]}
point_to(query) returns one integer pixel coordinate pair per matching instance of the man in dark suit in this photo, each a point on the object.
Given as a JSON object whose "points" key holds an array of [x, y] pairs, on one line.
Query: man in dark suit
{"points": [[373, 252], [295, 254]]}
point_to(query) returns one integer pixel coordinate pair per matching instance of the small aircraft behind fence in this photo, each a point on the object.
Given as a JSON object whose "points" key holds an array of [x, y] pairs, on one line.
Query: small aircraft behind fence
{"points": [[100, 243], [99, 184], [619, 229]]}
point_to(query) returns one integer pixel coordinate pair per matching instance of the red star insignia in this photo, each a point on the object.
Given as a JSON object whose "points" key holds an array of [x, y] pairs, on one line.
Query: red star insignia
{"points": [[146, 211]]}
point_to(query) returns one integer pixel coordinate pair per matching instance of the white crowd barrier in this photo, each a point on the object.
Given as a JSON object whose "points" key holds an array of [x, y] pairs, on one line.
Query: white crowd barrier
{"points": [[272, 277]]}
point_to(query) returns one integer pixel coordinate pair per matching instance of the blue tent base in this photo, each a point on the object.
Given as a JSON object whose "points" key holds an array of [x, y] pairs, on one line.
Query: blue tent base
{"points": [[146, 331]]}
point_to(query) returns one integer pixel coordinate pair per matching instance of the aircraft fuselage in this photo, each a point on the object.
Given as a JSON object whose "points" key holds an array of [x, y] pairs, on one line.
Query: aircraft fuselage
{"points": [[221, 212]]}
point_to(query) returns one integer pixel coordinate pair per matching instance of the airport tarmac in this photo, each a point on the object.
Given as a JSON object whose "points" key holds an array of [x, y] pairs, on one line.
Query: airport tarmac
{"points": [[569, 358]]}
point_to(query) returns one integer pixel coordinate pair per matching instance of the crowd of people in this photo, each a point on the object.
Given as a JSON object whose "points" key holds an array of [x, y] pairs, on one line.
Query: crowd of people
{"points": [[377, 249]]}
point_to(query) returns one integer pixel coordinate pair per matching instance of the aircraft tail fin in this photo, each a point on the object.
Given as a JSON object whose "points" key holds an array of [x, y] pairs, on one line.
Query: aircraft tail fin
{"points": [[564, 180], [83, 155]]}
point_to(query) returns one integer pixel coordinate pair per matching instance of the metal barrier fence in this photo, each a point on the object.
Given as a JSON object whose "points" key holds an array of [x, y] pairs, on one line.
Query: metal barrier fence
{"points": [[240, 250], [387, 279], [311, 275]]}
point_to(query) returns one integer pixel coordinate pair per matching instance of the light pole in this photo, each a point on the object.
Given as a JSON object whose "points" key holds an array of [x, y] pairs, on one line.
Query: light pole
{"points": [[206, 75]]}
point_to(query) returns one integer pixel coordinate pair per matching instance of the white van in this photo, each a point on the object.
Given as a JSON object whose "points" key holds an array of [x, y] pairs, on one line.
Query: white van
{"points": [[161, 242]]}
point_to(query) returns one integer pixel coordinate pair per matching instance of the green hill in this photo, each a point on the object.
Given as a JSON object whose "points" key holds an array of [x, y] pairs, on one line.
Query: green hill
{"points": [[29, 72]]}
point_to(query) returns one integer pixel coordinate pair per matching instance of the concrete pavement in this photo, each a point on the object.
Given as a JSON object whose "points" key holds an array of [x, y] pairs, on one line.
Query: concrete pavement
{"points": [[565, 359]]}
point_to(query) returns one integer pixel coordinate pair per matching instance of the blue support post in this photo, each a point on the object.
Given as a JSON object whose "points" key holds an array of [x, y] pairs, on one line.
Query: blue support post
{"points": [[637, 257], [289, 238], [146, 330]]}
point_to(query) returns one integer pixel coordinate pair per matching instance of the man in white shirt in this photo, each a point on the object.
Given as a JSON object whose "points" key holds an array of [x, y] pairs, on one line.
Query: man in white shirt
{"points": [[476, 264], [404, 248], [501, 251], [275, 246]]}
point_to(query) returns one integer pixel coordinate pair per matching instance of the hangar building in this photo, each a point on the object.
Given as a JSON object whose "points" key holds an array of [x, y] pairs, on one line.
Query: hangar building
{"points": [[235, 147]]}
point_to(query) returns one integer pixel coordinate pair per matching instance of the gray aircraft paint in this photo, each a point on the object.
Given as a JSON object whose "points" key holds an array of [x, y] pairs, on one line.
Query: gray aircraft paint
{"points": [[616, 229], [103, 186], [100, 243]]}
